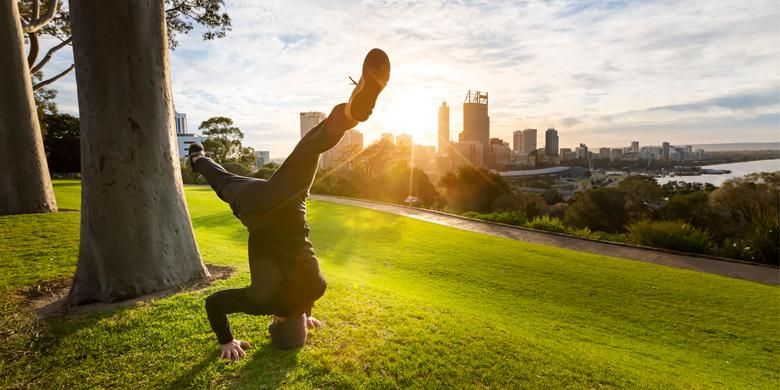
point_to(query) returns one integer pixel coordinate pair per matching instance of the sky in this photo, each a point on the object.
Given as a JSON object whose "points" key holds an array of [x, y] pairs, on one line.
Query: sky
{"points": [[603, 73]]}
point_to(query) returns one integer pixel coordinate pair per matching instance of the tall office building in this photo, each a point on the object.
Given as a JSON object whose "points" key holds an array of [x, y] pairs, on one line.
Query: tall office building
{"points": [[476, 122], [665, 147], [635, 146], [181, 123], [310, 119], [551, 142], [341, 155], [582, 152], [444, 128], [262, 157], [529, 141], [183, 138], [517, 141]]}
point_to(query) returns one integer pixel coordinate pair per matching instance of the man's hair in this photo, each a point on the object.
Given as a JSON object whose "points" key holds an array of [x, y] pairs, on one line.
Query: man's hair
{"points": [[288, 334]]}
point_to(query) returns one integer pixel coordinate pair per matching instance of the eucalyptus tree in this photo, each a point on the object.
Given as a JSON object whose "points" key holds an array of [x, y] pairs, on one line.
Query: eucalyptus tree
{"points": [[136, 234], [25, 185]]}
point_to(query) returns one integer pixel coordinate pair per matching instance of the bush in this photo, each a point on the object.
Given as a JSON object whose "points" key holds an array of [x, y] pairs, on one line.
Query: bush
{"points": [[675, 235], [601, 209], [548, 224], [517, 218]]}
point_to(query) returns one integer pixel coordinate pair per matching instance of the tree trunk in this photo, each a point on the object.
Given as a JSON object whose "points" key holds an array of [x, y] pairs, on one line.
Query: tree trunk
{"points": [[25, 185], [136, 235]]}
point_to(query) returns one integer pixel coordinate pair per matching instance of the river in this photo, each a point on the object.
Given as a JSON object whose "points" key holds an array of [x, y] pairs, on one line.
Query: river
{"points": [[737, 170]]}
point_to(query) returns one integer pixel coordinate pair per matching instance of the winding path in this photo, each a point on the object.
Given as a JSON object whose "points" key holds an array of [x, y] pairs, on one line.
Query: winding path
{"points": [[752, 272]]}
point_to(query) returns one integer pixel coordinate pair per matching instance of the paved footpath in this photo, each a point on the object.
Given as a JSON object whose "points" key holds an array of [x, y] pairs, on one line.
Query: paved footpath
{"points": [[756, 273]]}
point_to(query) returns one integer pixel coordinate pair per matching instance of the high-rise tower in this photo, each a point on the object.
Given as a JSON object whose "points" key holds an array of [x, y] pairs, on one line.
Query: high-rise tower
{"points": [[309, 120], [476, 122], [444, 129], [551, 142]]}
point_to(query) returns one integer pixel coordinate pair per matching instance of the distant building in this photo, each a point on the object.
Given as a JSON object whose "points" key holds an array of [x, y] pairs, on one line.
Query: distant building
{"points": [[469, 153], [665, 148], [262, 157], [341, 155], [444, 128], [183, 138], [184, 142], [476, 122], [551, 142], [311, 119], [635, 146], [700, 154], [181, 123], [502, 154], [615, 154], [604, 153], [582, 152], [566, 154], [529, 141], [517, 141], [424, 157]]}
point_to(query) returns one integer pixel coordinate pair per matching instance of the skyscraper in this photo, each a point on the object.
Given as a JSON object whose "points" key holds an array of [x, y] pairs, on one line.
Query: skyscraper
{"points": [[517, 141], [262, 157], [635, 146], [476, 122], [529, 141], [310, 119], [665, 150], [444, 128], [341, 155], [551, 142], [181, 123]]}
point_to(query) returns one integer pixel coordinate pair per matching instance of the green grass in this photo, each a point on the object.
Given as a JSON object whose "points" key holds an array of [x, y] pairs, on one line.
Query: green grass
{"points": [[409, 304]]}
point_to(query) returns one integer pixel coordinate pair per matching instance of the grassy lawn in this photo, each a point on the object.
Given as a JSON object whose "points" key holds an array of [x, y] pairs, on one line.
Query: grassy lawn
{"points": [[409, 304]]}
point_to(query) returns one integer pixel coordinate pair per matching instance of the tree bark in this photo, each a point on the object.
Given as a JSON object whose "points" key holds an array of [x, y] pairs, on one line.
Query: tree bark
{"points": [[136, 234], [25, 185]]}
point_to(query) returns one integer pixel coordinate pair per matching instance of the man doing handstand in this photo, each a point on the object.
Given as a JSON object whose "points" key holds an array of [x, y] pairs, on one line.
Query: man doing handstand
{"points": [[285, 274]]}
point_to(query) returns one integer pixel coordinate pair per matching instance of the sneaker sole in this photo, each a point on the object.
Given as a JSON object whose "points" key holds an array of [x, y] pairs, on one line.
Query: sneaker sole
{"points": [[376, 74]]}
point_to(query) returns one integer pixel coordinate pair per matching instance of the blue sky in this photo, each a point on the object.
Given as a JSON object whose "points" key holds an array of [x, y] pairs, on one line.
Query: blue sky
{"points": [[603, 73]]}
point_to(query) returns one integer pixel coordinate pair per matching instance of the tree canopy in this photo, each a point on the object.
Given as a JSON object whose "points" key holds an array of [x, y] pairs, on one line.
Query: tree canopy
{"points": [[224, 142]]}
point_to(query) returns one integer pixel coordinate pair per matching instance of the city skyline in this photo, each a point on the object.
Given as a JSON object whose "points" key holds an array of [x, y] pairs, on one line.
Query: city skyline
{"points": [[699, 72]]}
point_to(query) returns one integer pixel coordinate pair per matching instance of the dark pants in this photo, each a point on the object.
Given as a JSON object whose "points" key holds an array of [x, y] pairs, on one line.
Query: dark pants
{"points": [[285, 274]]}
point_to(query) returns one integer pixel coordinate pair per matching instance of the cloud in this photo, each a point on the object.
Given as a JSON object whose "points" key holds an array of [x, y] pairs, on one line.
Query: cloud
{"points": [[604, 72]]}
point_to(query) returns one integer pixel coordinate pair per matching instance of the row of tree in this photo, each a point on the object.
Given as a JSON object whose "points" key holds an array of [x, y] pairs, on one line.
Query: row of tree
{"points": [[740, 219], [136, 235]]}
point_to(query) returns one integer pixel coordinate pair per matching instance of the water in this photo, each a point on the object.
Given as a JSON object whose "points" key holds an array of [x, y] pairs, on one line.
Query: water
{"points": [[737, 170]]}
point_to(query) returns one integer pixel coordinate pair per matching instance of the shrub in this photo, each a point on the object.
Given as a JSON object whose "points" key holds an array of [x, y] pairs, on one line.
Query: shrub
{"points": [[548, 224], [516, 218], [675, 235], [601, 209]]}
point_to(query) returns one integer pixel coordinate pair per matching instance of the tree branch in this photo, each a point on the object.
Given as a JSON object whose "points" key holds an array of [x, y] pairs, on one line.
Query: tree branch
{"points": [[34, 49], [36, 10], [37, 23], [48, 55], [53, 79]]}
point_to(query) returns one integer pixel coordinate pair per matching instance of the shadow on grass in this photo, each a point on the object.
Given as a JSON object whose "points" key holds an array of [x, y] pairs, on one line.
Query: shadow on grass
{"points": [[267, 367]]}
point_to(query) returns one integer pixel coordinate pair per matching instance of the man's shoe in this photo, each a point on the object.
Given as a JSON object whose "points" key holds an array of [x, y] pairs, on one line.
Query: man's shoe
{"points": [[194, 150], [376, 73]]}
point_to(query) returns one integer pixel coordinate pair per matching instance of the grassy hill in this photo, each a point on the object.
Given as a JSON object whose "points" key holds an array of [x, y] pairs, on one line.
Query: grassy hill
{"points": [[409, 304]]}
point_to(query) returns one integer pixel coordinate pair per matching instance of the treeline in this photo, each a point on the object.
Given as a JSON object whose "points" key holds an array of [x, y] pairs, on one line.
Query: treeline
{"points": [[740, 219], [380, 172]]}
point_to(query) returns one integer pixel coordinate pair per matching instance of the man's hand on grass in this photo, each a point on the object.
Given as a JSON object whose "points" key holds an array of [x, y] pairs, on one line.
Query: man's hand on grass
{"points": [[312, 323], [233, 350]]}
